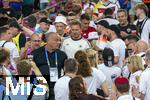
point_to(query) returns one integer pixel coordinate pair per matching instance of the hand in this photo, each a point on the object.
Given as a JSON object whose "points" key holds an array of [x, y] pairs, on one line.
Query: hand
{"points": [[123, 34], [33, 65], [135, 91]]}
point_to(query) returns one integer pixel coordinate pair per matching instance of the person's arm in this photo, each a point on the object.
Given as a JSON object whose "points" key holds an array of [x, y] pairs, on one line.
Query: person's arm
{"points": [[104, 87], [142, 96], [26, 31], [116, 60]]}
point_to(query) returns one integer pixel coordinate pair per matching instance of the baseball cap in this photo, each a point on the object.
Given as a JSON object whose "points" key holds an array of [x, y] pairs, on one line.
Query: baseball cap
{"points": [[60, 19], [102, 23], [45, 20], [116, 29], [108, 57], [93, 35], [121, 80]]}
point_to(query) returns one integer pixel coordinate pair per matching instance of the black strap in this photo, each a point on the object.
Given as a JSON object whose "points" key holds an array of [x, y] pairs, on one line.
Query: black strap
{"points": [[129, 75], [142, 26], [143, 55], [4, 43], [133, 98], [31, 93]]}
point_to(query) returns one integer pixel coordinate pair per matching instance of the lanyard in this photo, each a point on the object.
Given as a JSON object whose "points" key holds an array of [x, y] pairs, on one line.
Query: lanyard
{"points": [[56, 58]]}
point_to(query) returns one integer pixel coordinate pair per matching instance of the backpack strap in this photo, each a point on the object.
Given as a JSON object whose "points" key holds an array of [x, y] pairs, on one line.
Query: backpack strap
{"points": [[4, 43]]}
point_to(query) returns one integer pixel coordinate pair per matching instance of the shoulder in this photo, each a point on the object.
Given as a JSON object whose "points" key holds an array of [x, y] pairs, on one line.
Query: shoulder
{"points": [[67, 40], [39, 50], [10, 45]]}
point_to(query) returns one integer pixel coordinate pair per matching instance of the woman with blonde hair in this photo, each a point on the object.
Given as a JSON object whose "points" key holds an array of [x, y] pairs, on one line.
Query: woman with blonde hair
{"points": [[94, 78], [136, 68], [92, 56]]}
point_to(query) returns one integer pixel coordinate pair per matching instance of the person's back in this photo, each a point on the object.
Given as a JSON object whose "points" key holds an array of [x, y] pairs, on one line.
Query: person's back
{"points": [[118, 47], [144, 85], [110, 72], [95, 81], [61, 88]]}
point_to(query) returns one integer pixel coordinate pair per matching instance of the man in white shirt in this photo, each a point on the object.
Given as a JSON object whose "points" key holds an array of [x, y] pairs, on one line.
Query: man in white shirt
{"points": [[61, 88], [144, 85], [5, 37], [116, 44], [108, 68], [71, 45], [143, 22], [122, 87]]}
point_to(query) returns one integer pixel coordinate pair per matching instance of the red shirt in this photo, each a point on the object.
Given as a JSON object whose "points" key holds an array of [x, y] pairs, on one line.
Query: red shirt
{"points": [[87, 31]]}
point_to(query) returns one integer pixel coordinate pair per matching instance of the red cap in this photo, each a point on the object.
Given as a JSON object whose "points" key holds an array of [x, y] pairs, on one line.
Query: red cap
{"points": [[121, 80]]}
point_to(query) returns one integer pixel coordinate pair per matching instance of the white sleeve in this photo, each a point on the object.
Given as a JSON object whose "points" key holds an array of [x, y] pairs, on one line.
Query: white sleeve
{"points": [[146, 32], [142, 84], [115, 50], [100, 77], [14, 51]]}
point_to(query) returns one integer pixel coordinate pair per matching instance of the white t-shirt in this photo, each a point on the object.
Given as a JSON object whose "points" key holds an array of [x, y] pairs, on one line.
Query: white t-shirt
{"points": [[133, 79], [145, 34], [61, 88], [144, 85], [125, 71], [118, 46], [110, 73], [95, 81], [127, 97], [13, 51], [70, 46]]}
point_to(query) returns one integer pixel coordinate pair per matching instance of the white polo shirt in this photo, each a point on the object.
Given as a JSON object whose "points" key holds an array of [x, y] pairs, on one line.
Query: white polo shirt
{"points": [[70, 46], [118, 46], [144, 85], [61, 88]]}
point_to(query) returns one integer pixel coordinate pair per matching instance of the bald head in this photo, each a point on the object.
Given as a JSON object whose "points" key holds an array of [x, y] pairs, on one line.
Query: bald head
{"points": [[142, 46], [53, 40]]}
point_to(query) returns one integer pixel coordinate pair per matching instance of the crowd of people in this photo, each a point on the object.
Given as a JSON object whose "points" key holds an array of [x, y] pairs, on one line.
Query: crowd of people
{"points": [[74, 50]]}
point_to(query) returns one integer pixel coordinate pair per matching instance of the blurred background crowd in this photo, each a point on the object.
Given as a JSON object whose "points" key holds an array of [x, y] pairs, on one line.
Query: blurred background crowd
{"points": [[77, 49]]}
